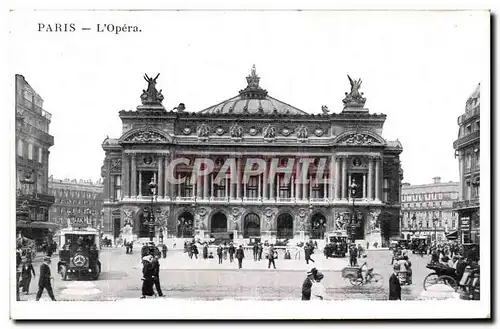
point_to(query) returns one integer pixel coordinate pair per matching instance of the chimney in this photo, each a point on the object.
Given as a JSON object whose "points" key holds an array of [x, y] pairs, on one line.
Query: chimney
{"points": [[437, 180]]}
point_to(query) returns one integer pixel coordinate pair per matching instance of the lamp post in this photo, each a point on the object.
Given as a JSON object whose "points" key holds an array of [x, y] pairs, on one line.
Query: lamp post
{"points": [[354, 220], [435, 220], [152, 186]]}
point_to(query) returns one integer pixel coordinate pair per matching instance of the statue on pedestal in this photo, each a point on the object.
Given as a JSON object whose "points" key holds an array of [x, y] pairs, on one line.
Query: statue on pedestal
{"points": [[354, 98], [151, 95]]}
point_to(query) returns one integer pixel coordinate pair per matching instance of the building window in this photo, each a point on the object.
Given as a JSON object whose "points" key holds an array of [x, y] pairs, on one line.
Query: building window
{"points": [[220, 189], [117, 188], [20, 148], [252, 187], [317, 190], [186, 188], [477, 158], [469, 129], [386, 190], [284, 189], [30, 151]]}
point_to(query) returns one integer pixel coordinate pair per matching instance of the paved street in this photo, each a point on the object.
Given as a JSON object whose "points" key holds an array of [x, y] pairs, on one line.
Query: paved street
{"points": [[182, 277]]}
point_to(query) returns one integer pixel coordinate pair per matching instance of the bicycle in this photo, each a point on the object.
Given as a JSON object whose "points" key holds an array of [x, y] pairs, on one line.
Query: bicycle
{"points": [[353, 274]]}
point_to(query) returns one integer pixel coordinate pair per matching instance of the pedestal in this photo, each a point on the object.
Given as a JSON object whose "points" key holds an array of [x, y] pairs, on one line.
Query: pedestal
{"points": [[372, 238]]}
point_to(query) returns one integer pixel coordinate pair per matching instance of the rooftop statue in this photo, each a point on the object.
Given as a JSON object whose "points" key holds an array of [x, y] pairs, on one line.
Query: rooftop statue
{"points": [[354, 98], [151, 95]]}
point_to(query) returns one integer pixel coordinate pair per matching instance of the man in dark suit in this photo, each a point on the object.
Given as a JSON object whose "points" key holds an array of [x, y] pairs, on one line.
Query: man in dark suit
{"points": [[26, 272], [255, 251], [232, 251], [394, 285], [306, 286], [44, 281], [155, 264], [240, 254]]}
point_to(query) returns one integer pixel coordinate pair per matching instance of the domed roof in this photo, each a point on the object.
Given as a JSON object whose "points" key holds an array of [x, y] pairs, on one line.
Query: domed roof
{"points": [[253, 100]]}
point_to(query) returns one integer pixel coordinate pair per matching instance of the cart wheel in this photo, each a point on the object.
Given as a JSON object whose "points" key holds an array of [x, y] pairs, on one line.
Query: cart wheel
{"points": [[376, 279], [449, 281], [97, 270], [356, 282], [64, 273], [430, 280]]}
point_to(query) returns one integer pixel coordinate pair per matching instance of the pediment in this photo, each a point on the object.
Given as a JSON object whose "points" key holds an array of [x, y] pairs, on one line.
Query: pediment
{"points": [[359, 138], [146, 136]]}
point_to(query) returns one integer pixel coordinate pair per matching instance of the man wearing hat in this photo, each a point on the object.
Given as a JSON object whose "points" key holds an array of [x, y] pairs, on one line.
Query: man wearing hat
{"points": [[44, 281], [306, 286], [394, 284]]}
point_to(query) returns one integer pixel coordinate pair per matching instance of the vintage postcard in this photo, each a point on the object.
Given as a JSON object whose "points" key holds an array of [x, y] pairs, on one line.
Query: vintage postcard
{"points": [[249, 164]]}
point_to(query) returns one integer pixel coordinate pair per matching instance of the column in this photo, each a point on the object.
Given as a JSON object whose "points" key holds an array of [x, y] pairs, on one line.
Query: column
{"points": [[349, 182], [265, 182], [344, 177], [160, 177], [292, 187], [168, 191], [364, 186], [337, 178], [212, 194], [370, 178], [227, 188], [230, 187], [134, 177], [331, 178], [297, 180], [325, 194], [238, 177], [304, 184], [310, 187], [271, 187], [259, 187], [277, 187], [140, 183], [377, 179], [106, 190], [205, 187], [125, 176]]}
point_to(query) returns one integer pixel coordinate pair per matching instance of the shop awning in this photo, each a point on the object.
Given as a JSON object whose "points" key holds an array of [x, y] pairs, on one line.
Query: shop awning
{"points": [[452, 235]]}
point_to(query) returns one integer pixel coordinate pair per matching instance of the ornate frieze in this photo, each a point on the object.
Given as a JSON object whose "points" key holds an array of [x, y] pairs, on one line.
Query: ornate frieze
{"points": [[286, 131], [236, 132], [302, 133], [319, 132], [269, 133], [358, 139], [220, 131], [253, 131], [146, 136]]}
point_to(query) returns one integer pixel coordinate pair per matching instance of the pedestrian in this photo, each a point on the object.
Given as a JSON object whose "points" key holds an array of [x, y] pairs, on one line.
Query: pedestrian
{"points": [[155, 264], [271, 256], [353, 256], [190, 250], [26, 276], [360, 250], [260, 249], [318, 291], [164, 250], [308, 250], [394, 284], [219, 253], [19, 263], [255, 249], [205, 251], [240, 254], [194, 250], [44, 280], [306, 286], [232, 251], [144, 250], [224, 250], [147, 276]]}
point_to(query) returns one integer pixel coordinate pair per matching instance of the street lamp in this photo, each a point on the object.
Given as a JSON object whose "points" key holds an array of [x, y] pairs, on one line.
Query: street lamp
{"points": [[152, 186], [353, 224], [435, 220]]}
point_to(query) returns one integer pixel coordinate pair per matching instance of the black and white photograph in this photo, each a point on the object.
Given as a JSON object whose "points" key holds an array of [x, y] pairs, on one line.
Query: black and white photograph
{"points": [[249, 164]]}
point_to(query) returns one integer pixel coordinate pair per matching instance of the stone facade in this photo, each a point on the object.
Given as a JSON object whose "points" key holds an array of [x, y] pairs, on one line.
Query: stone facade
{"points": [[32, 152], [427, 209], [340, 149], [79, 198], [467, 150]]}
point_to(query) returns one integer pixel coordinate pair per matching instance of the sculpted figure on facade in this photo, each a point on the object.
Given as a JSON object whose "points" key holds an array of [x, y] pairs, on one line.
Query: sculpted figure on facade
{"points": [[302, 132], [236, 131], [203, 131], [358, 139], [374, 221], [115, 165], [270, 132]]}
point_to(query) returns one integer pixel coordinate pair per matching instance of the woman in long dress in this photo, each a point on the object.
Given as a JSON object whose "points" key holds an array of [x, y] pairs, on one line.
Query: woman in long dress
{"points": [[318, 291]]}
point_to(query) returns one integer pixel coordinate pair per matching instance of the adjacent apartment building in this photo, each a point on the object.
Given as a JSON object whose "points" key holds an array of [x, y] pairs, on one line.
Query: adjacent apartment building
{"points": [[467, 150], [427, 209]]}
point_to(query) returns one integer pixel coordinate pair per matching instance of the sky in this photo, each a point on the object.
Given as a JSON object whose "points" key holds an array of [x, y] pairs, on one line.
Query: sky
{"points": [[418, 68]]}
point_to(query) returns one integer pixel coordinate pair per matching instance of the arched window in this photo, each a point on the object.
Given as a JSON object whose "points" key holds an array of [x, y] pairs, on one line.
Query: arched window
{"points": [[318, 226], [251, 225], [284, 226], [185, 225]]}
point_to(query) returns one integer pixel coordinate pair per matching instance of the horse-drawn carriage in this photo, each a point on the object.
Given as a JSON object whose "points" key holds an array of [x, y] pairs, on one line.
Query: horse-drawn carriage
{"points": [[441, 274]]}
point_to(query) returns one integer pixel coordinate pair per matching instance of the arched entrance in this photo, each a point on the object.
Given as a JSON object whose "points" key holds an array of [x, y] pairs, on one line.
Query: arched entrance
{"points": [[284, 226], [185, 225], [318, 226], [218, 223], [251, 225]]}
